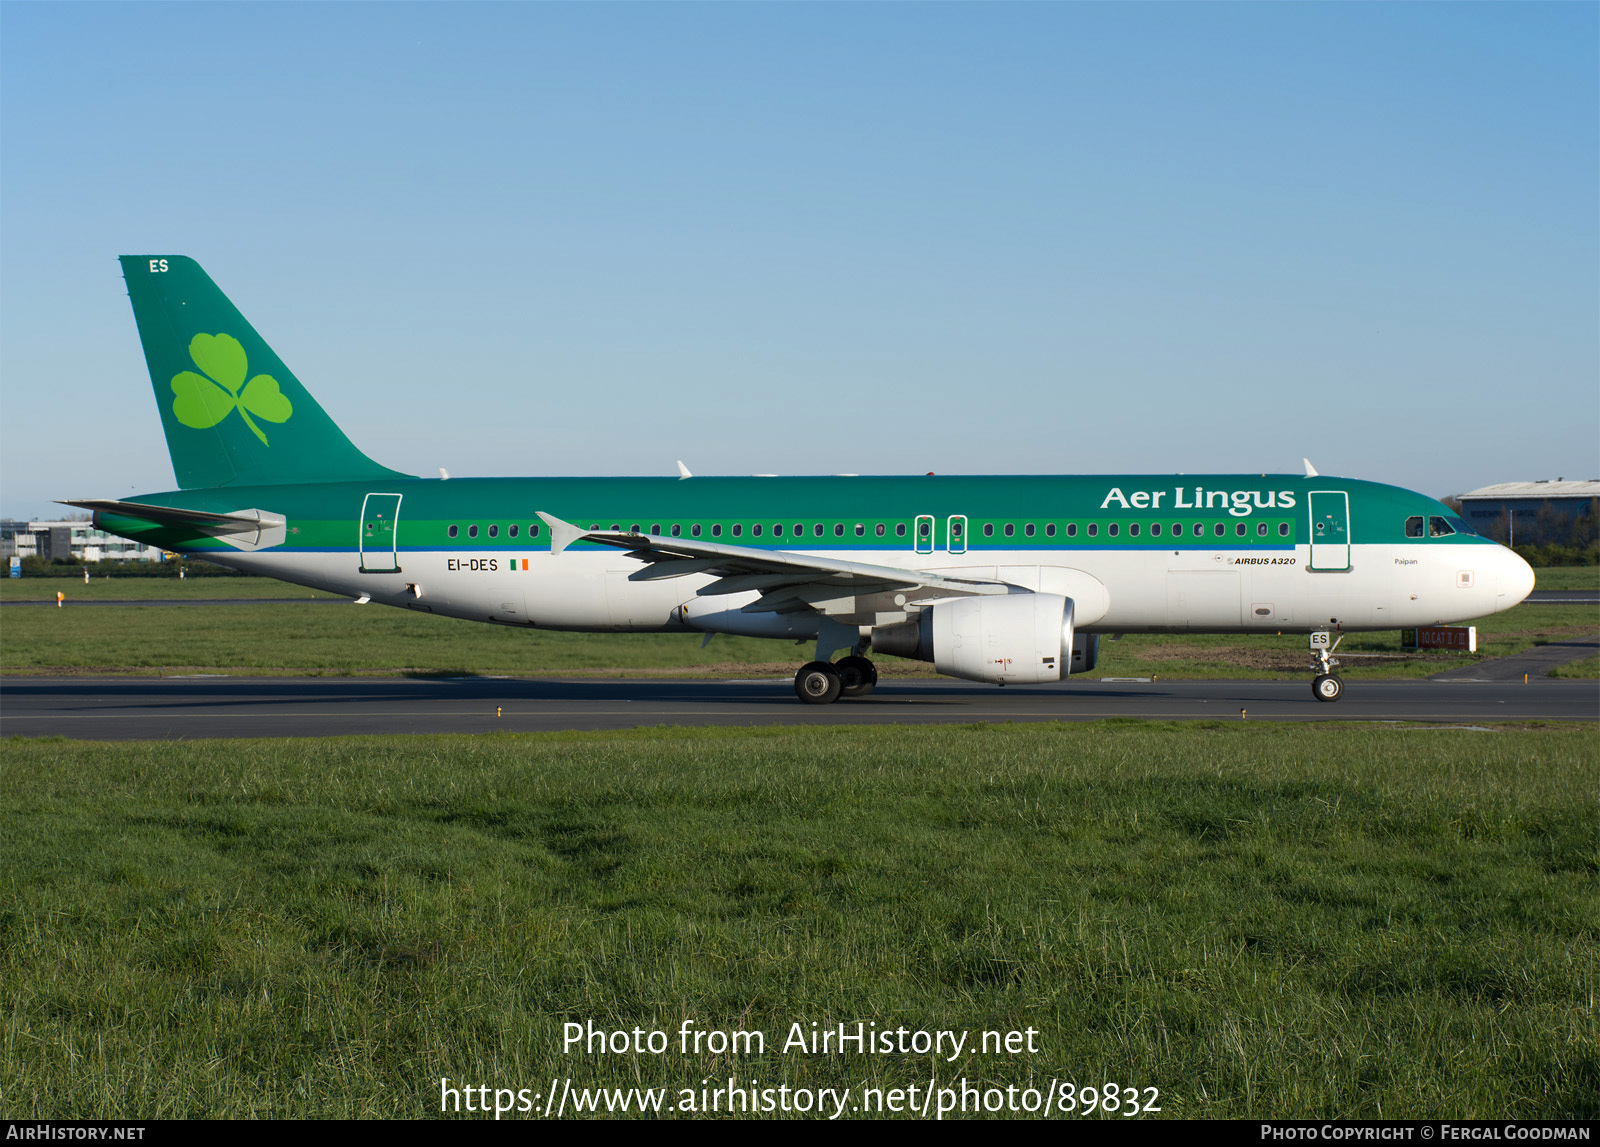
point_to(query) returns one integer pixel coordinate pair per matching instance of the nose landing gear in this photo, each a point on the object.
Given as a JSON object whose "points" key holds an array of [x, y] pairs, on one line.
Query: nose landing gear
{"points": [[1325, 686]]}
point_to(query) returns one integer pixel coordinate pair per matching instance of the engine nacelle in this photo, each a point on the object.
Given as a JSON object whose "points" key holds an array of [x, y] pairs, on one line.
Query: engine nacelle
{"points": [[1014, 639]]}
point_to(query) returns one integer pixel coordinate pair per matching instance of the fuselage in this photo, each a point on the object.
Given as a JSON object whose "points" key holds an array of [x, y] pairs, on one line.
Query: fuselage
{"points": [[1136, 553]]}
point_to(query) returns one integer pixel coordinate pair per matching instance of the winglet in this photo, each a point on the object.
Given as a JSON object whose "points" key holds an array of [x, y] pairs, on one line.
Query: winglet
{"points": [[683, 471], [562, 534], [1311, 471]]}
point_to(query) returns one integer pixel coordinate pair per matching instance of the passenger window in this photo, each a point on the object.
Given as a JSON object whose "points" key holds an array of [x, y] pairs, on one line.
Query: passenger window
{"points": [[1239, 530], [513, 531], [817, 529], [1050, 530], [533, 531], [1155, 529], [716, 529], [633, 529], [1220, 529], [1072, 529], [756, 529], [1177, 529], [472, 531], [838, 529], [615, 529], [1093, 529], [988, 529], [1028, 529], [1283, 529], [799, 530], [494, 531], [655, 528], [879, 529], [899, 529], [1112, 529], [861, 531], [1010, 529], [1133, 530], [777, 529], [453, 531], [1261, 529], [694, 530], [1199, 530], [1439, 528], [736, 529], [676, 529], [1414, 526]]}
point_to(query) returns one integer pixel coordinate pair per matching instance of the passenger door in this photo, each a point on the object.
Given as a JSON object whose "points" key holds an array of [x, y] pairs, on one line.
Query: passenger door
{"points": [[379, 534], [1330, 531]]}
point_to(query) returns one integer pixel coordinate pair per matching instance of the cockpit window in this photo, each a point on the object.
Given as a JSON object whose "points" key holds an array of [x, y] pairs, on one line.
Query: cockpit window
{"points": [[1439, 528], [1461, 527], [1414, 526]]}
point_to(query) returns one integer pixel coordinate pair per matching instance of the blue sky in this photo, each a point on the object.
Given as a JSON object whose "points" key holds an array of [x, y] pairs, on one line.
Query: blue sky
{"points": [[593, 239]]}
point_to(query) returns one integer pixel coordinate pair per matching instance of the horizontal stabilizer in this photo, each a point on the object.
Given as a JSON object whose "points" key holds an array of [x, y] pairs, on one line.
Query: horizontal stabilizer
{"points": [[243, 529]]}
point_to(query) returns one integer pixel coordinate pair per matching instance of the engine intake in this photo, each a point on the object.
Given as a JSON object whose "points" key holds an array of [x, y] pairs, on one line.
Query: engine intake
{"points": [[1015, 639]]}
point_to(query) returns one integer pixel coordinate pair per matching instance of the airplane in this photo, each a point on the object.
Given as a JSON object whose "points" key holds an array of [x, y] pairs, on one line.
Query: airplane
{"points": [[998, 579]]}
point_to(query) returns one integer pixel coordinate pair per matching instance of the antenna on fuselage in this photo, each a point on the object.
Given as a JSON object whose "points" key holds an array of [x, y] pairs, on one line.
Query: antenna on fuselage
{"points": [[1311, 471], [683, 471]]}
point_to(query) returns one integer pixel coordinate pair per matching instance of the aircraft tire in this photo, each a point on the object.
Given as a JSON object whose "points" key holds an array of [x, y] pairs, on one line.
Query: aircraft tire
{"points": [[1326, 687], [857, 676], [817, 683]]}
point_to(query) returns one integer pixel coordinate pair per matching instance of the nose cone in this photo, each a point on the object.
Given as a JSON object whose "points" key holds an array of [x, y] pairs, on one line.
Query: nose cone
{"points": [[1516, 579]]}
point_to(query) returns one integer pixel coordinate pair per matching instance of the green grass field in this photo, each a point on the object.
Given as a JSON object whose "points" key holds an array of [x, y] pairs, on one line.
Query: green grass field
{"points": [[348, 639], [1287, 921], [1566, 577], [148, 588]]}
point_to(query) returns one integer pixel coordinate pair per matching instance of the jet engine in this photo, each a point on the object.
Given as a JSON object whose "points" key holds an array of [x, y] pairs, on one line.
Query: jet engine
{"points": [[1015, 639]]}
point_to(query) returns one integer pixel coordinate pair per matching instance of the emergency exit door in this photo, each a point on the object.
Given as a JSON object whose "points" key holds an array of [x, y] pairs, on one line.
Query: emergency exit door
{"points": [[379, 542]]}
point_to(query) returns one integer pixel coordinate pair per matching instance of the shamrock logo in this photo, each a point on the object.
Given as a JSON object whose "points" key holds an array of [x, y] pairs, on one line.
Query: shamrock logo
{"points": [[203, 400]]}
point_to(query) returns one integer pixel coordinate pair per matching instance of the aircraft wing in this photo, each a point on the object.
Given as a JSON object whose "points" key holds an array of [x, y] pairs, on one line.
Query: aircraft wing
{"points": [[787, 582]]}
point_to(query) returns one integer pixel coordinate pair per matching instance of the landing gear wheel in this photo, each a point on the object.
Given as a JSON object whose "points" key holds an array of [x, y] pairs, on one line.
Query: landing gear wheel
{"points": [[857, 676], [1326, 687], [817, 683]]}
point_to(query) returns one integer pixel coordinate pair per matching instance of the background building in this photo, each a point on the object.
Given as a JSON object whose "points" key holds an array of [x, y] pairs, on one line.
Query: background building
{"points": [[75, 541], [1547, 513]]}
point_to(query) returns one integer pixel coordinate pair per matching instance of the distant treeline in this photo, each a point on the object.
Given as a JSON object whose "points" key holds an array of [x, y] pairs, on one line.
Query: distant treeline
{"points": [[1554, 555]]}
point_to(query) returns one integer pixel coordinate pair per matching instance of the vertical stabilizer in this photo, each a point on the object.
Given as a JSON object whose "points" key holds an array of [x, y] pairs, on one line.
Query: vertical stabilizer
{"points": [[232, 412]]}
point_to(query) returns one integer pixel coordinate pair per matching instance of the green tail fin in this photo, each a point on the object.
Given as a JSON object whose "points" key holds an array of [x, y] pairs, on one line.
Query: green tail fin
{"points": [[233, 413]]}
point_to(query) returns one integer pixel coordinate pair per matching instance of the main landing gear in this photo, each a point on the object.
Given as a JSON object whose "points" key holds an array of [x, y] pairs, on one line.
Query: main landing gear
{"points": [[1325, 686], [821, 683]]}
